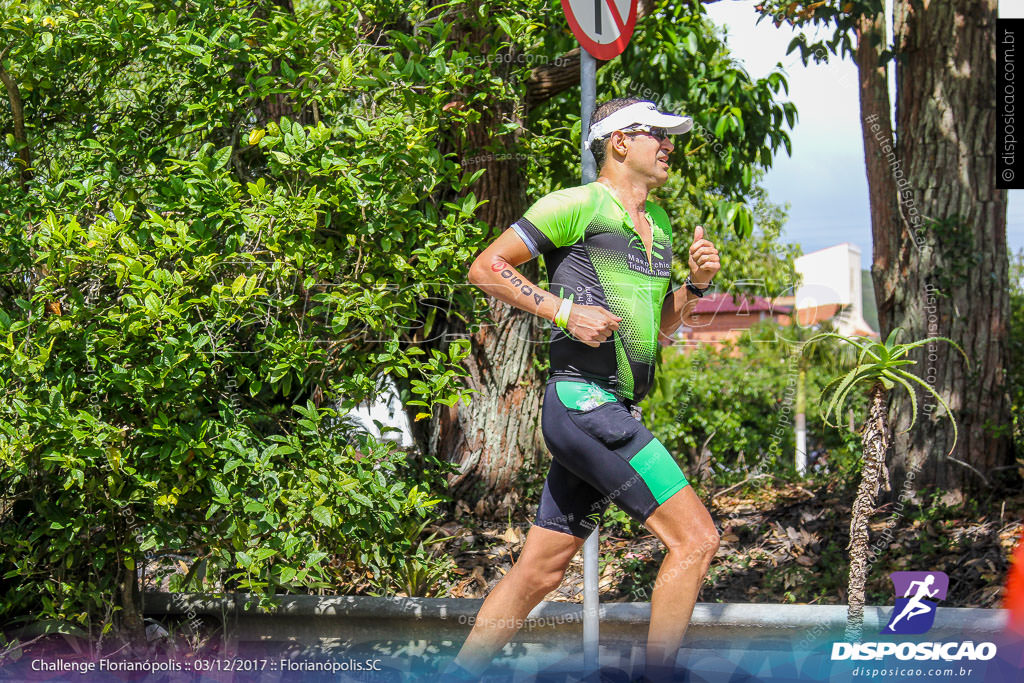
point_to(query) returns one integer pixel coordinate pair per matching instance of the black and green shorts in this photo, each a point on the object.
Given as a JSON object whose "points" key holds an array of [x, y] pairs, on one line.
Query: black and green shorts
{"points": [[601, 454]]}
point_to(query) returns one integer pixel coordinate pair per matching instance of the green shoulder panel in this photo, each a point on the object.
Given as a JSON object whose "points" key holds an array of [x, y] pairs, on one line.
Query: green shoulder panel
{"points": [[563, 215]]}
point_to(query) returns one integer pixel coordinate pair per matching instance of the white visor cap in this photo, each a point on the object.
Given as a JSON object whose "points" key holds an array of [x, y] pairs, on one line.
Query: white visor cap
{"points": [[638, 114]]}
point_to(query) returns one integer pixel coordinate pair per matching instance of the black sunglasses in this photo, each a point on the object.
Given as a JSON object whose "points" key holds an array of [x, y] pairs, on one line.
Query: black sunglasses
{"points": [[659, 134]]}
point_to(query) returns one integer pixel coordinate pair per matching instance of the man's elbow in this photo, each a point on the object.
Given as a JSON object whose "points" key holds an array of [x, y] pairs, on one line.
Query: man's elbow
{"points": [[475, 273], [482, 269]]}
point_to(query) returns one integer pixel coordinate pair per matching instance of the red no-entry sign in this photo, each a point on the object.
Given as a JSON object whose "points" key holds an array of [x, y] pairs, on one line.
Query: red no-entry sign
{"points": [[603, 27]]}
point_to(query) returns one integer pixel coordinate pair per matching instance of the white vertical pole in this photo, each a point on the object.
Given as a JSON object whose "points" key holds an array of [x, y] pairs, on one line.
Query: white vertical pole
{"points": [[591, 625], [801, 422], [801, 444]]}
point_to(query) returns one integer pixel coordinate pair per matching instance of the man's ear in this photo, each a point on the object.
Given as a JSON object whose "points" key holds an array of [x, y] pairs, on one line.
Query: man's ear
{"points": [[618, 143]]}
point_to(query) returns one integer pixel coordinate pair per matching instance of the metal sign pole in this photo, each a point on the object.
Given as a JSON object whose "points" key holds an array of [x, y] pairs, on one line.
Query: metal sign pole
{"points": [[591, 625], [588, 85]]}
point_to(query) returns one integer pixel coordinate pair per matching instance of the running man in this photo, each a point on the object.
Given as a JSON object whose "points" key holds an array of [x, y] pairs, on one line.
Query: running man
{"points": [[608, 252], [915, 607]]}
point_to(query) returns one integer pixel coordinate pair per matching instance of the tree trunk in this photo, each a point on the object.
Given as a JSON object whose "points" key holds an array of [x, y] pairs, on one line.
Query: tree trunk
{"points": [[496, 439], [875, 444], [877, 135], [939, 228], [132, 630], [18, 116]]}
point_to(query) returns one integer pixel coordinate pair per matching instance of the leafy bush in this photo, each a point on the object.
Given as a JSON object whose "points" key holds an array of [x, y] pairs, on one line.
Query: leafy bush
{"points": [[220, 224], [215, 254], [741, 400]]}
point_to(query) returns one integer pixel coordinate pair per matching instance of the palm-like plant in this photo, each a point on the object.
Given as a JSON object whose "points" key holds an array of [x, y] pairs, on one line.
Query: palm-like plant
{"points": [[882, 366]]}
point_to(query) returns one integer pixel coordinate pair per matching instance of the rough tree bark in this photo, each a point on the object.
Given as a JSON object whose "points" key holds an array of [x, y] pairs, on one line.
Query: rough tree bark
{"points": [[498, 435], [875, 444], [129, 593], [939, 231]]}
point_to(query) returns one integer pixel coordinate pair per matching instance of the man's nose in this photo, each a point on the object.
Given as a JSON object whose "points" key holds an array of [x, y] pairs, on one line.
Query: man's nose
{"points": [[667, 144]]}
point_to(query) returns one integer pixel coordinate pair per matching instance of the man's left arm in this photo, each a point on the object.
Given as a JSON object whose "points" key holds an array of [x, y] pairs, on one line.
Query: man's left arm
{"points": [[679, 304]]}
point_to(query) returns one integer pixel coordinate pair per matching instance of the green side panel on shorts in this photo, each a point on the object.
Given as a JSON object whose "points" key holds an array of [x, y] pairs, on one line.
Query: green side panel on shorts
{"points": [[659, 470], [582, 395]]}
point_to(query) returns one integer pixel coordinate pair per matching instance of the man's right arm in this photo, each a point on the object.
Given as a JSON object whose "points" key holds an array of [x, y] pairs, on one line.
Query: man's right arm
{"points": [[494, 272]]}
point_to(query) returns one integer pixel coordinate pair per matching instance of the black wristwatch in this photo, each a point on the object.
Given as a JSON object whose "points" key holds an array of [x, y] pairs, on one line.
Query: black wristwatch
{"points": [[694, 288]]}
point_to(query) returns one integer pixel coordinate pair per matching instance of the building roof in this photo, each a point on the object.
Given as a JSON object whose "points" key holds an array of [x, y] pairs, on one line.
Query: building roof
{"points": [[723, 303], [850, 245]]}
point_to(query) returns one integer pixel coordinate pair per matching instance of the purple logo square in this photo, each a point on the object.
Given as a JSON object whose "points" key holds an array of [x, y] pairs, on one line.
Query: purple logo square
{"points": [[917, 597]]}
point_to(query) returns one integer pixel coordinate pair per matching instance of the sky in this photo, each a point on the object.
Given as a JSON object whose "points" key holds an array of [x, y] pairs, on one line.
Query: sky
{"points": [[824, 181]]}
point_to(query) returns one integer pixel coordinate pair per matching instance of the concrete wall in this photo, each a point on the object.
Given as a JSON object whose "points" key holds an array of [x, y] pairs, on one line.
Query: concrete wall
{"points": [[353, 619]]}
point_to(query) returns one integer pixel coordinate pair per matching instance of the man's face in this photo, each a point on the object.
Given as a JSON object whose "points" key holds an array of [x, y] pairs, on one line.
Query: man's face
{"points": [[647, 156]]}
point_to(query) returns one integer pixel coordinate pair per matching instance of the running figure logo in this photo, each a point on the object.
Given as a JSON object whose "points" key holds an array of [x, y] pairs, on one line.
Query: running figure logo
{"points": [[915, 612]]}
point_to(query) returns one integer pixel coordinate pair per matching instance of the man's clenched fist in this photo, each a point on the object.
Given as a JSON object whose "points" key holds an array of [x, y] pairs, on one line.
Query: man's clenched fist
{"points": [[592, 324]]}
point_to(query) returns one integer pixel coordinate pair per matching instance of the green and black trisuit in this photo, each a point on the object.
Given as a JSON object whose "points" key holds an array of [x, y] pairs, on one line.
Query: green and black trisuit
{"points": [[601, 453]]}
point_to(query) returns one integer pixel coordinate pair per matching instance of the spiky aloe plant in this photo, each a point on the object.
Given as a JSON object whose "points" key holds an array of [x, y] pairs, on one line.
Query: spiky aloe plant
{"points": [[882, 366]]}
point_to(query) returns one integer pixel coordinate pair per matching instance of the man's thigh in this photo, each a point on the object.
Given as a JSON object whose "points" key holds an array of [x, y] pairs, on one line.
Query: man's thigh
{"points": [[568, 504], [610, 457], [682, 519], [548, 549]]}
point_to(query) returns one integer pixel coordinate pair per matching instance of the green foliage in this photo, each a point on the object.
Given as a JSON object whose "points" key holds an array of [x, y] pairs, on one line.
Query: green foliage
{"points": [[881, 362], [233, 221], [194, 292], [616, 519], [759, 264], [421, 570], [841, 16], [741, 400]]}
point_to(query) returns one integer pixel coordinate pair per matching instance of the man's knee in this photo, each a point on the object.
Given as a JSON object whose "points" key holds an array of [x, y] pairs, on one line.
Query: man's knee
{"points": [[697, 543], [550, 581], [545, 557], [713, 540], [540, 578]]}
